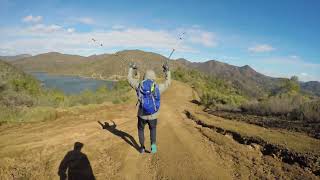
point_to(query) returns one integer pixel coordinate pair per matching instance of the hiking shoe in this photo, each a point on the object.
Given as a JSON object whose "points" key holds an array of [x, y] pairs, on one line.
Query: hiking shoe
{"points": [[153, 148], [142, 150]]}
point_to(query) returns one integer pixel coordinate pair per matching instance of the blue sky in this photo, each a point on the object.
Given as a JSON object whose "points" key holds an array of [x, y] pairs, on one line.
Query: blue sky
{"points": [[277, 38]]}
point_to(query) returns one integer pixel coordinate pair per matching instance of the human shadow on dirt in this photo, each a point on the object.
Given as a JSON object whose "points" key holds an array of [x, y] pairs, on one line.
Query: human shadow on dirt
{"points": [[123, 135], [77, 164]]}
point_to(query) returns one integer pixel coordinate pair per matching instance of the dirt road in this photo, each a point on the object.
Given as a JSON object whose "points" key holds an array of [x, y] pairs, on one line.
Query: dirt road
{"points": [[35, 150]]}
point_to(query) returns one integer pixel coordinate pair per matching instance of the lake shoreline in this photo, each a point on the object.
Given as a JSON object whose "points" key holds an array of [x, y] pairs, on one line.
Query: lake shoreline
{"points": [[73, 75], [71, 84]]}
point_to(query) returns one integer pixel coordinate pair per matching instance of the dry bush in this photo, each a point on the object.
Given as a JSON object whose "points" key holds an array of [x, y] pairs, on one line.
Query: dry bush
{"points": [[309, 111], [12, 99], [275, 105]]}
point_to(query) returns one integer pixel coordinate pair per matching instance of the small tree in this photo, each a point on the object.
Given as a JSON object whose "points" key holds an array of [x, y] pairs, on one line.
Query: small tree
{"points": [[294, 79], [291, 85]]}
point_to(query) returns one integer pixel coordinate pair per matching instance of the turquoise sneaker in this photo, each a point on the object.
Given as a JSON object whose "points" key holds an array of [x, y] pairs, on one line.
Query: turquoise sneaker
{"points": [[153, 148]]}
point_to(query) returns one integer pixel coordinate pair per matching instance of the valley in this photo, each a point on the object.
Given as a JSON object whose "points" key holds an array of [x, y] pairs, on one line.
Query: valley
{"points": [[219, 127]]}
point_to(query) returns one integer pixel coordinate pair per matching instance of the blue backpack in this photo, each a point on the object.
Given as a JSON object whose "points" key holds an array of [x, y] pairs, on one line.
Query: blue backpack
{"points": [[149, 96]]}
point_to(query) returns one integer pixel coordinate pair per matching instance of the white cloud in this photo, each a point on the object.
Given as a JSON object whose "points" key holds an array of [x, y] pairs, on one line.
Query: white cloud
{"points": [[70, 30], [292, 61], [30, 18], [85, 20], [305, 70], [261, 48], [294, 57], [199, 36], [41, 38], [307, 77], [41, 28], [118, 27], [196, 26], [302, 76]]}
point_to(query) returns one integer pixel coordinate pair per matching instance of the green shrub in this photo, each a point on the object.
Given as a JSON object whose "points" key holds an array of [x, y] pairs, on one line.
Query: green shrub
{"points": [[116, 101], [24, 95], [121, 85], [12, 99], [102, 90], [3, 86], [288, 86], [27, 84], [212, 91], [8, 114], [25, 114]]}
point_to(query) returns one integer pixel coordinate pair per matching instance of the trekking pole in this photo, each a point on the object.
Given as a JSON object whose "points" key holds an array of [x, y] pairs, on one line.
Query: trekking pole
{"points": [[166, 64], [171, 53], [124, 60], [123, 64]]}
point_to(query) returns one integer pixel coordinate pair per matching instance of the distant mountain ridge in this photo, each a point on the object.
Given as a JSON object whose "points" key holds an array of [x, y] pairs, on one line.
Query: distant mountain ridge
{"points": [[109, 66], [113, 66], [14, 58], [245, 78], [311, 87], [52, 62]]}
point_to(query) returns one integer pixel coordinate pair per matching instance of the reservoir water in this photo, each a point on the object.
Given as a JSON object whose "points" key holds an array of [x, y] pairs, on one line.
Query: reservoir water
{"points": [[70, 84]]}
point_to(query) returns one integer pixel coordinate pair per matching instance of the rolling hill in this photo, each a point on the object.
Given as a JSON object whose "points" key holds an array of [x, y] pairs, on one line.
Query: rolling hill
{"points": [[109, 66], [14, 58], [245, 78], [312, 87], [114, 66], [9, 73], [52, 62], [16, 87]]}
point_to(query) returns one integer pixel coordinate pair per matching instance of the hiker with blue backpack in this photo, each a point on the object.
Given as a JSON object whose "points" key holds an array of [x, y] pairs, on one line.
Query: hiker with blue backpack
{"points": [[148, 92]]}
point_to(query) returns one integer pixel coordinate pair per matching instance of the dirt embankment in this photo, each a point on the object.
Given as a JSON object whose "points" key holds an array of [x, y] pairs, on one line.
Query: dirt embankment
{"points": [[306, 161], [312, 129]]}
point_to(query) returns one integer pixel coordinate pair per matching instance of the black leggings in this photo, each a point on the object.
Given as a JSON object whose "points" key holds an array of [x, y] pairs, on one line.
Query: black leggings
{"points": [[153, 130]]}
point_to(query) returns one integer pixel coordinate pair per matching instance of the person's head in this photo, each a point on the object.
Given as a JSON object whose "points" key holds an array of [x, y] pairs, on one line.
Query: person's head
{"points": [[149, 74], [78, 146]]}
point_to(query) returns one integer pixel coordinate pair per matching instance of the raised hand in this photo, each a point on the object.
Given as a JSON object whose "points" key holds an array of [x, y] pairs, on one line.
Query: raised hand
{"points": [[165, 67], [133, 66]]}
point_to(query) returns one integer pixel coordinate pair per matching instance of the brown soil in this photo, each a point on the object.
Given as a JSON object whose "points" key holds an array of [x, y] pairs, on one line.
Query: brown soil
{"points": [[35, 150], [304, 160], [312, 129]]}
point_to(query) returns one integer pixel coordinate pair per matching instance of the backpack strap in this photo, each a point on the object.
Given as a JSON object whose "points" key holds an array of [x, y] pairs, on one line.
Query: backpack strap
{"points": [[139, 92]]}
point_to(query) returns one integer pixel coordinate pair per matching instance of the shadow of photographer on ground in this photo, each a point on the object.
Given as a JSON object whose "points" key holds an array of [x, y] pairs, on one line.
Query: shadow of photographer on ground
{"points": [[77, 164]]}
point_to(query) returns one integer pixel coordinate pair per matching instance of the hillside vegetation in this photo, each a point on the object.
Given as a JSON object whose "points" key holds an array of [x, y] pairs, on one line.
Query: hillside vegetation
{"points": [[220, 86], [246, 79], [35, 150], [212, 91], [22, 97], [14, 58], [204, 146], [114, 66], [285, 107], [289, 102], [106, 66]]}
